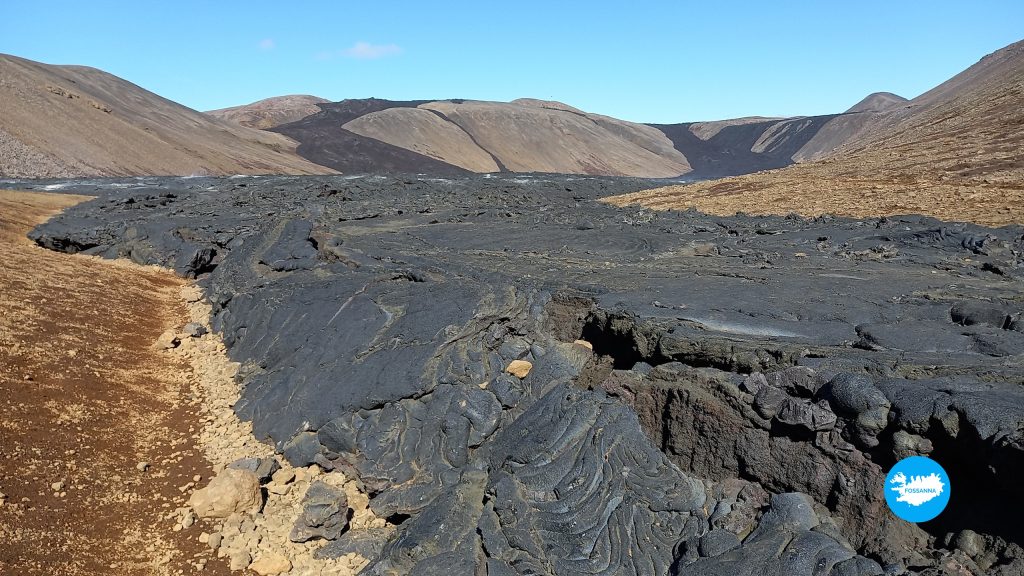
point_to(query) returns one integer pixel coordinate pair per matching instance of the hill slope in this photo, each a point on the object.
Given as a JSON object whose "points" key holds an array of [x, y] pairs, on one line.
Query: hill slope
{"points": [[543, 138], [271, 112], [954, 152], [524, 136], [425, 132], [63, 121]]}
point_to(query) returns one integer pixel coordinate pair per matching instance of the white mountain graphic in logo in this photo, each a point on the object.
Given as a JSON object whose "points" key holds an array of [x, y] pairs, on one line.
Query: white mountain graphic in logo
{"points": [[919, 490]]}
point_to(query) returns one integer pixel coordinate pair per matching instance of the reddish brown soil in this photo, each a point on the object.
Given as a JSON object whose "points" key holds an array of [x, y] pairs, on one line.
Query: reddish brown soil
{"points": [[83, 400]]}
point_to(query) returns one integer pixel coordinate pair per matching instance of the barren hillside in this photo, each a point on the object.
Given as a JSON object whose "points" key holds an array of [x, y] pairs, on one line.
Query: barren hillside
{"points": [[425, 132], [529, 136], [59, 121]]}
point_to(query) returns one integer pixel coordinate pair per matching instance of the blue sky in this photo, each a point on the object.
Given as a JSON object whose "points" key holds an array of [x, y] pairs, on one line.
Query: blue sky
{"points": [[642, 61]]}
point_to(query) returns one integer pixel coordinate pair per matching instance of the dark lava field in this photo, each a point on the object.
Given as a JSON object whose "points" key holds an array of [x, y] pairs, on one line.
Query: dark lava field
{"points": [[751, 379]]}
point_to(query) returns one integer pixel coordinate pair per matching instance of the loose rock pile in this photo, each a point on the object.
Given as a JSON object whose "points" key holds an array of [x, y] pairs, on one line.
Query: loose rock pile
{"points": [[248, 511], [264, 539]]}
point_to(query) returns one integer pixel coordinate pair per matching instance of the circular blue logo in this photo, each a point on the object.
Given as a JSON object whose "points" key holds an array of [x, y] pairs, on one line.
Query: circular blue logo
{"points": [[917, 489]]}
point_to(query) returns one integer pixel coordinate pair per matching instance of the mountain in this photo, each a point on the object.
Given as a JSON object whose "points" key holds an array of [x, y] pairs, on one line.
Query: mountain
{"points": [[878, 102], [71, 120], [64, 121], [271, 112], [954, 153], [529, 135], [866, 118]]}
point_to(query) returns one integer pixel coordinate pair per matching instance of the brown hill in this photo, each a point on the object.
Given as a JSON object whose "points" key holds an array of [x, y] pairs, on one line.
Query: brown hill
{"points": [[534, 136], [424, 132], [954, 152], [64, 121], [271, 112]]}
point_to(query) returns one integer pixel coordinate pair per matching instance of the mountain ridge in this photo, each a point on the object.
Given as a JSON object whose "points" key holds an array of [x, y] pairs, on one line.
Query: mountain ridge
{"points": [[74, 120]]}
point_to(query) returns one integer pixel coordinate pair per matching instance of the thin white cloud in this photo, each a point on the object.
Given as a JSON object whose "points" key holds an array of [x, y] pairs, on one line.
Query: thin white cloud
{"points": [[267, 44], [368, 51]]}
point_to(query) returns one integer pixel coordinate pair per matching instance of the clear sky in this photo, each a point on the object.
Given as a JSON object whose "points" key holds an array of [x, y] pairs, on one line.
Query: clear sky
{"points": [[669, 61]]}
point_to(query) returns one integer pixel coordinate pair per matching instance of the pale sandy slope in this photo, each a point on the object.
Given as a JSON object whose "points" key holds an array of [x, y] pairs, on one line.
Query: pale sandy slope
{"points": [[270, 112], [61, 121], [955, 152], [525, 136], [424, 132]]}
